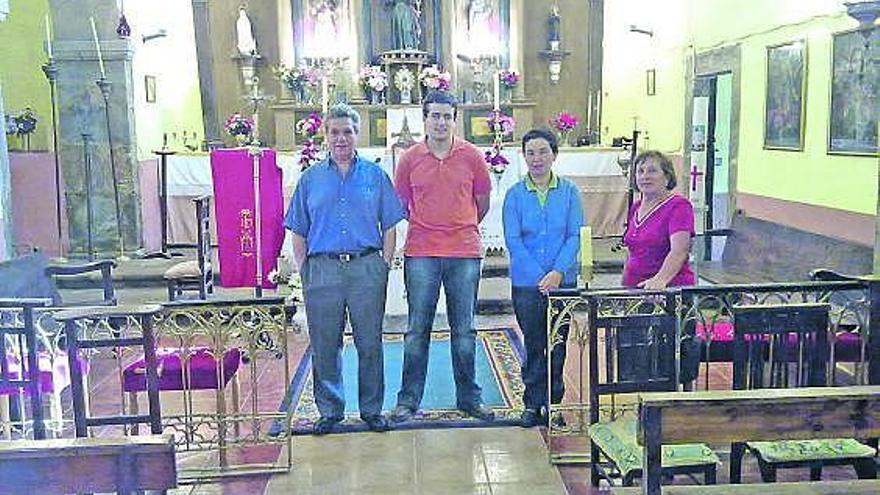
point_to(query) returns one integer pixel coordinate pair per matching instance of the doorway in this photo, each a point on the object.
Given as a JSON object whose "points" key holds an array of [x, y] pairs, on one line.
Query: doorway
{"points": [[713, 98]]}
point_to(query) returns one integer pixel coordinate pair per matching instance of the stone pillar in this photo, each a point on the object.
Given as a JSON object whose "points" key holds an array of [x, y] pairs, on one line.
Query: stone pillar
{"points": [[205, 56], [5, 191], [82, 111]]}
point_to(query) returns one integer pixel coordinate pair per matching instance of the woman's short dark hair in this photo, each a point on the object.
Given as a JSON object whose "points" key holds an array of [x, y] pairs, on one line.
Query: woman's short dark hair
{"points": [[544, 134], [441, 97], [665, 165]]}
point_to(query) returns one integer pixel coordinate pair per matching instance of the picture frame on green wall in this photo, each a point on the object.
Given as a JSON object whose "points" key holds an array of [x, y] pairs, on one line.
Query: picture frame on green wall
{"points": [[855, 105], [785, 96]]}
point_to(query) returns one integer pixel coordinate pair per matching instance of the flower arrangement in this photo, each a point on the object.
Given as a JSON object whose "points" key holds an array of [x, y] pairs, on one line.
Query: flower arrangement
{"points": [[239, 125], [372, 78], [403, 79], [432, 77], [501, 125], [292, 77], [22, 124], [309, 127], [509, 78], [564, 122]]}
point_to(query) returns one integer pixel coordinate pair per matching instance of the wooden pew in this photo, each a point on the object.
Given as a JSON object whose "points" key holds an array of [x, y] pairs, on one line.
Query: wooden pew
{"points": [[77, 465], [753, 415]]}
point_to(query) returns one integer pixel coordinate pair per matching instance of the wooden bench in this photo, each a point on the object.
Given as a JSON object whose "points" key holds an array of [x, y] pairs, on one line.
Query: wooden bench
{"points": [[854, 487], [760, 251], [78, 465], [752, 415]]}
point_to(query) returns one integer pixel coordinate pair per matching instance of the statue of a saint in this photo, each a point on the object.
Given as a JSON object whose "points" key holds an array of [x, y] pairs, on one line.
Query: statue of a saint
{"points": [[553, 28], [247, 45], [406, 30]]}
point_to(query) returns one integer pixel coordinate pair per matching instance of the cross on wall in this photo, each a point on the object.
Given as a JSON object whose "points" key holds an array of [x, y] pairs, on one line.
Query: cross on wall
{"points": [[695, 173]]}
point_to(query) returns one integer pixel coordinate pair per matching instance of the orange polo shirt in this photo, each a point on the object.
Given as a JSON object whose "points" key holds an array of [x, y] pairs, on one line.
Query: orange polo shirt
{"points": [[440, 197]]}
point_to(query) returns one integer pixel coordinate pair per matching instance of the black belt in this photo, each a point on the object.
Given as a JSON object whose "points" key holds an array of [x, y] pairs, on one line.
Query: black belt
{"points": [[346, 256]]}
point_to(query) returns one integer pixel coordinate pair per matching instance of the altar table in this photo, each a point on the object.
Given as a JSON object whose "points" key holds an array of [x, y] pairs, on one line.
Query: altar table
{"points": [[594, 171]]}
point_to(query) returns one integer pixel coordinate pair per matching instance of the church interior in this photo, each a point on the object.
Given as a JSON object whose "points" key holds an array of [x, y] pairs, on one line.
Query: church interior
{"points": [[153, 338]]}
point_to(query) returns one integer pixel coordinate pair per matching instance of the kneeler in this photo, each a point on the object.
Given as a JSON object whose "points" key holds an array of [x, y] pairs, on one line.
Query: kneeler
{"points": [[197, 370]]}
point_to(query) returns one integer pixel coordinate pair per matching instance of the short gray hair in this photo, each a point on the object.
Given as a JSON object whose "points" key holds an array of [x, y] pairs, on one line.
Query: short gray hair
{"points": [[344, 111]]}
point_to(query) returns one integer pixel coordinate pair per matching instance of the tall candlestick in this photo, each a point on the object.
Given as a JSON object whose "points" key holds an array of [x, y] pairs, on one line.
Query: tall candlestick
{"points": [[325, 97], [98, 48], [589, 109], [496, 91], [48, 38]]}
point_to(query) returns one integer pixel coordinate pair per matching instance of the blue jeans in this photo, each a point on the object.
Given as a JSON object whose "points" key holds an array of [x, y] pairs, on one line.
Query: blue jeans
{"points": [[460, 278], [332, 289]]}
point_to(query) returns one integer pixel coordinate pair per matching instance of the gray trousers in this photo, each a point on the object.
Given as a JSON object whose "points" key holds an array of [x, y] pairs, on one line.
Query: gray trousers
{"points": [[332, 289]]}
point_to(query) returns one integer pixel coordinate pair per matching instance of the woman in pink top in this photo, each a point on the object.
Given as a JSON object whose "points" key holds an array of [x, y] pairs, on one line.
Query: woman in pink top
{"points": [[660, 228]]}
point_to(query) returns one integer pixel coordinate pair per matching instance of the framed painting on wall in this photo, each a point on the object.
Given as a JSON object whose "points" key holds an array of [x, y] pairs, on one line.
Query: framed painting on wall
{"points": [[786, 95], [855, 82]]}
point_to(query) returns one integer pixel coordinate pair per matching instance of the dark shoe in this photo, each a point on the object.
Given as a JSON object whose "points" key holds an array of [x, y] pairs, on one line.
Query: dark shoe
{"points": [[529, 418], [402, 414], [325, 426], [558, 421], [479, 411], [377, 423]]}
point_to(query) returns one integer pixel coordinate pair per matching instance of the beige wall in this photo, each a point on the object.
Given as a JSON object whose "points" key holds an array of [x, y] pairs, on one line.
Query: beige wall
{"points": [[570, 94]]}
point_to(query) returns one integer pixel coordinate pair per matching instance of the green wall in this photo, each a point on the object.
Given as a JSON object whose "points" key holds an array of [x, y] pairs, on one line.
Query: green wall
{"points": [[22, 37], [682, 27], [171, 61]]}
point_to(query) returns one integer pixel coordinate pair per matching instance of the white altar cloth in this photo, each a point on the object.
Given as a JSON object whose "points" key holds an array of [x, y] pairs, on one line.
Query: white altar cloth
{"points": [[594, 170], [190, 175]]}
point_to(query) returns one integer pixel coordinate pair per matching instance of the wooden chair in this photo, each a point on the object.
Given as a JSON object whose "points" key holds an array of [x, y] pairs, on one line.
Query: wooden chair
{"points": [[786, 346], [19, 361], [195, 275], [638, 353]]}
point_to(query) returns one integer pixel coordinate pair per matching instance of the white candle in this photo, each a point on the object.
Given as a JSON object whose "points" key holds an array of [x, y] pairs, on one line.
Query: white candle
{"points": [[325, 98], [496, 93], [589, 109], [48, 38], [98, 48]]}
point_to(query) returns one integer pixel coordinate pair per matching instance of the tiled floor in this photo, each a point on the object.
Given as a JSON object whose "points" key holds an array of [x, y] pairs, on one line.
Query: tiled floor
{"points": [[464, 461]]}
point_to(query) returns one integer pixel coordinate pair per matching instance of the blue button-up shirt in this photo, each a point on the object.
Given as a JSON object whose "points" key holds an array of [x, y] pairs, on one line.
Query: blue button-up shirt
{"points": [[542, 237], [349, 213]]}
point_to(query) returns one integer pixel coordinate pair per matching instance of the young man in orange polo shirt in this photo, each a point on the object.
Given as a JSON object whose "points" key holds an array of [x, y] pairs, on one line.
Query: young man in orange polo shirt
{"points": [[444, 185]]}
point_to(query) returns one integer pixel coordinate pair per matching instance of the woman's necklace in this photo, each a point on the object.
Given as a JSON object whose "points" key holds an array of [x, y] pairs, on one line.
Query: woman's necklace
{"points": [[647, 208]]}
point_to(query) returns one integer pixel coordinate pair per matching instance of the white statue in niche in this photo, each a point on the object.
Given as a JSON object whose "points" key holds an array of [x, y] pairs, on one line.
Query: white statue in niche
{"points": [[247, 44]]}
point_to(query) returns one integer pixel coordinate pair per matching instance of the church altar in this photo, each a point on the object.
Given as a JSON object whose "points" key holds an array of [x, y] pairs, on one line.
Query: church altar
{"points": [[593, 169]]}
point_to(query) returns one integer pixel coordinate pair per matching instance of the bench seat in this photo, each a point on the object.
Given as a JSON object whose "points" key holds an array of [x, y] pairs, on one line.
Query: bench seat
{"points": [[617, 439], [853, 487], [811, 450]]}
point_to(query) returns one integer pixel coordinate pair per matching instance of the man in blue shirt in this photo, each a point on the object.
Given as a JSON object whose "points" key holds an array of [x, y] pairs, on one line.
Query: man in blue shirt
{"points": [[342, 217]]}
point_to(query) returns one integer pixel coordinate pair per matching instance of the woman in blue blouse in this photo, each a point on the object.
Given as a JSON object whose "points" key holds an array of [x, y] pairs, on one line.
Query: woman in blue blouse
{"points": [[542, 221]]}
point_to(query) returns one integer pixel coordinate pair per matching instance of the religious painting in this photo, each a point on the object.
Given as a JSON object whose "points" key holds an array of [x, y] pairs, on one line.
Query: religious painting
{"points": [[476, 128], [786, 90], [378, 128], [323, 31], [855, 82], [150, 88]]}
